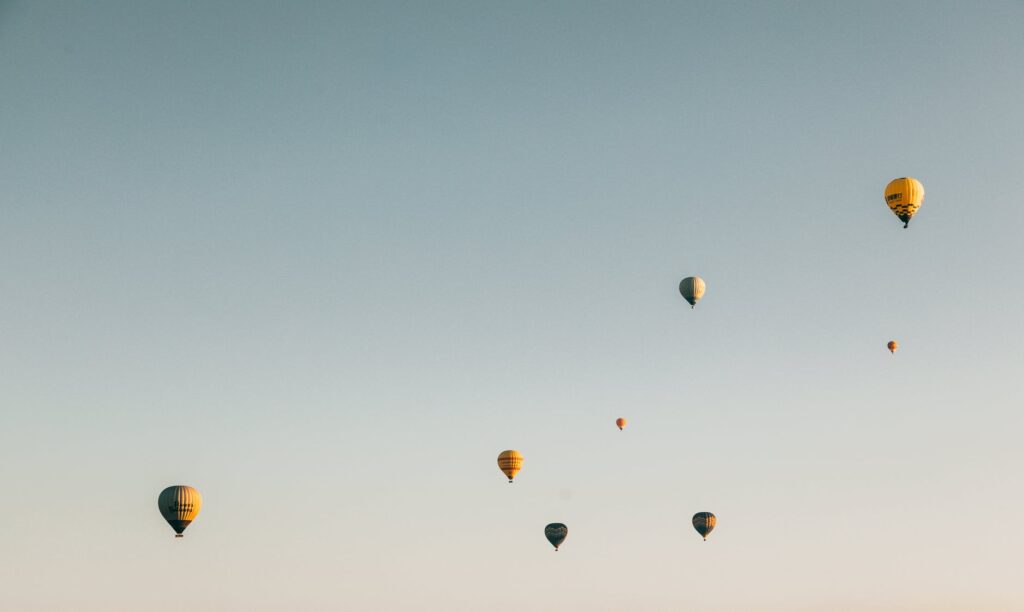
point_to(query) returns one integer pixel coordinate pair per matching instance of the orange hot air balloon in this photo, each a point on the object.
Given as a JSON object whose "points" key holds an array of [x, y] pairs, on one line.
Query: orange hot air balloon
{"points": [[904, 197], [621, 422], [510, 462], [892, 346]]}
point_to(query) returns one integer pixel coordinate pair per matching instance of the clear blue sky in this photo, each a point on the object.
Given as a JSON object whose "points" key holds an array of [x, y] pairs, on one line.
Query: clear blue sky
{"points": [[323, 261]]}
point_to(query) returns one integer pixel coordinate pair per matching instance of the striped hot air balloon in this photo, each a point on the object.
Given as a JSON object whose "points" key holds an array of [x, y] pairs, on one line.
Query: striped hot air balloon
{"points": [[510, 462], [692, 288], [556, 534], [179, 506], [904, 196], [704, 522]]}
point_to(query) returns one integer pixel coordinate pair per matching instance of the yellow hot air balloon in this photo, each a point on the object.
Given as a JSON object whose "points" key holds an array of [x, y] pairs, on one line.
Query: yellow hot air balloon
{"points": [[510, 462], [892, 346], [904, 196], [179, 506], [621, 422], [704, 522], [692, 288]]}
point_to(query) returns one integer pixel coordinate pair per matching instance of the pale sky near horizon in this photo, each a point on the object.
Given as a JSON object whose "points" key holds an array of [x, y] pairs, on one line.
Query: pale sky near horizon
{"points": [[324, 261]]}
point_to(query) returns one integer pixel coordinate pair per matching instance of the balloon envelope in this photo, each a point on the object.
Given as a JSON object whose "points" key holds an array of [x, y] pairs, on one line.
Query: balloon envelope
{"points": [[904, 196], [179, 506], [621, 422], [556, 534], [892, 346], [510, 462], [704, 522], [692, 288]]}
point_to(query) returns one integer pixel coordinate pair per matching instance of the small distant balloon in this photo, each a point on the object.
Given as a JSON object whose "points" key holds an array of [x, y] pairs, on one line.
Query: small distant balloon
{"points": [[692, 288], [621, 422], [704, 522], [179, 506], [892, 346], [556, 534], [510, 462], [904, 197]]}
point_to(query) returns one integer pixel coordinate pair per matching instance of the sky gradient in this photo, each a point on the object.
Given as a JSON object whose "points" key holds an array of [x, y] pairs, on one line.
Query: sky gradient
{"points": [[324, 261]]}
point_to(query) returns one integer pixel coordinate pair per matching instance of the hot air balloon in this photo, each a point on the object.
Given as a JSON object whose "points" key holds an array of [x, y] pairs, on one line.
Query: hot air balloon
{"points": [[621, 422], [892, 346], [692, 288], [704, 522], [556, 533], [179, 506], [510, 462], [904, 196]]}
